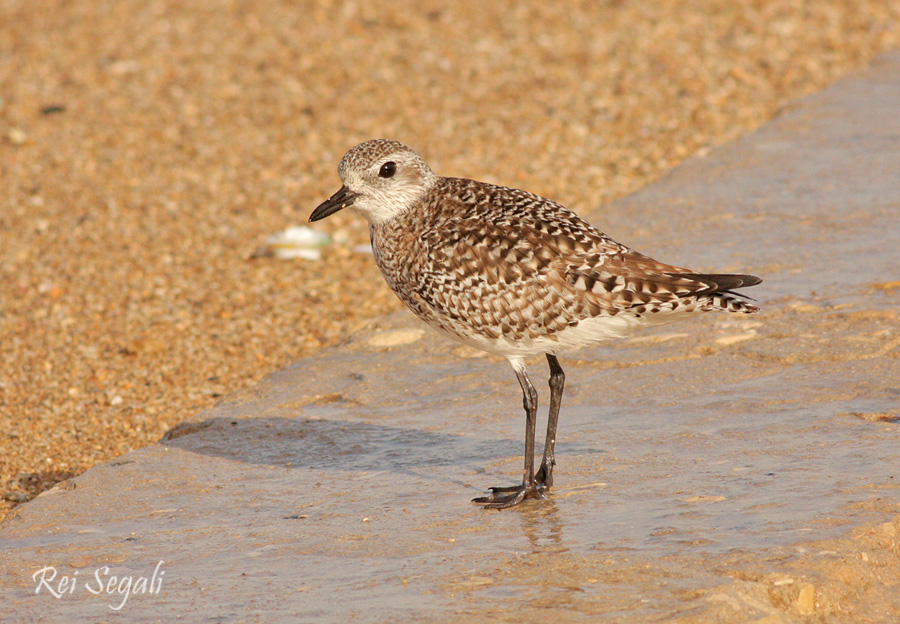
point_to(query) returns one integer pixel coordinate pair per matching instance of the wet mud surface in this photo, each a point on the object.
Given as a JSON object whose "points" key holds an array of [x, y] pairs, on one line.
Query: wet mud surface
{"points": [[725, 470]]}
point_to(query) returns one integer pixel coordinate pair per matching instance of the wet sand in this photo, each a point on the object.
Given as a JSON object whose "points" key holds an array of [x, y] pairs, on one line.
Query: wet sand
{"points": [[147, 150], [725, 470]]}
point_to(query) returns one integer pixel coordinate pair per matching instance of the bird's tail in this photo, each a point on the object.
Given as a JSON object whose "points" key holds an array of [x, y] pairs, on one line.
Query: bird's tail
{"points": [[720, 295]]}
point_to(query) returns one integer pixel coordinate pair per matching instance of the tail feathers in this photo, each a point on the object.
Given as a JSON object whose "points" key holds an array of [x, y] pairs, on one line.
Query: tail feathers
{"points": [[722, 282], [730, 302], [720, 295]]}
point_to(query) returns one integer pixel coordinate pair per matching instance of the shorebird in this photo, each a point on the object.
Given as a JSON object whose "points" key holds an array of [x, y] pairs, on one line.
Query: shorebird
{"points": [[513, 274]]}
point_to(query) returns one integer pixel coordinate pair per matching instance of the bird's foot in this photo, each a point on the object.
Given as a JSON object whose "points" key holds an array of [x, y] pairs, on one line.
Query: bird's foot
{"points": [[544, 477], [503, 497]]}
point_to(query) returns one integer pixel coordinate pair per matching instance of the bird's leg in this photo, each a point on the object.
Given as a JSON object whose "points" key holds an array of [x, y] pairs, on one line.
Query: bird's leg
{"points": [[544, 476], [502, 497]]}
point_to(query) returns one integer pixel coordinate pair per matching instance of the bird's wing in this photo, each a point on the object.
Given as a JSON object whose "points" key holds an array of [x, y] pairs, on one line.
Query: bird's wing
{"points": [[515, 255]]}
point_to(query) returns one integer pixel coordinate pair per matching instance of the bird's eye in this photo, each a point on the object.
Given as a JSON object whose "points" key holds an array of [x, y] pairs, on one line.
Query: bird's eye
{"points": [[388, 169]]}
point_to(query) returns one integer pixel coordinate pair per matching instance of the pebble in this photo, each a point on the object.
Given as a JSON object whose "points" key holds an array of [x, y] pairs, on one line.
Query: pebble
{"points": [[806, 599], [16, 136], [396, 337], [735, 338], [705, 499]]}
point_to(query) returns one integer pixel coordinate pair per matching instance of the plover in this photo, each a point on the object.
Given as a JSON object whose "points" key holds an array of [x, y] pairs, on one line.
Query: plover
{"points": [[514, 274]]}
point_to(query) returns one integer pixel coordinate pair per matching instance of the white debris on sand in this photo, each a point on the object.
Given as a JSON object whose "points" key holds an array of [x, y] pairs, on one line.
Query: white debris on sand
{"points": [[298, 241]]}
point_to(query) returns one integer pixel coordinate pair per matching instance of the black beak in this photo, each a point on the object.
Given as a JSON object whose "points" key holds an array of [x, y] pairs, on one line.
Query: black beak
{"points": [[339, 200]]}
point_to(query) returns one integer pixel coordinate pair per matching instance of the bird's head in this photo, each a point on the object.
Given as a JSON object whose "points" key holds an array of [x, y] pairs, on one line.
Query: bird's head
{"points": [[382, 179]]}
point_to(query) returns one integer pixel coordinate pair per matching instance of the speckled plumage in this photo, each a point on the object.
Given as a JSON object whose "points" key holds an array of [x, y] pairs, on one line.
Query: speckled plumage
{"points": [[508, 271], [518, 275]]}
